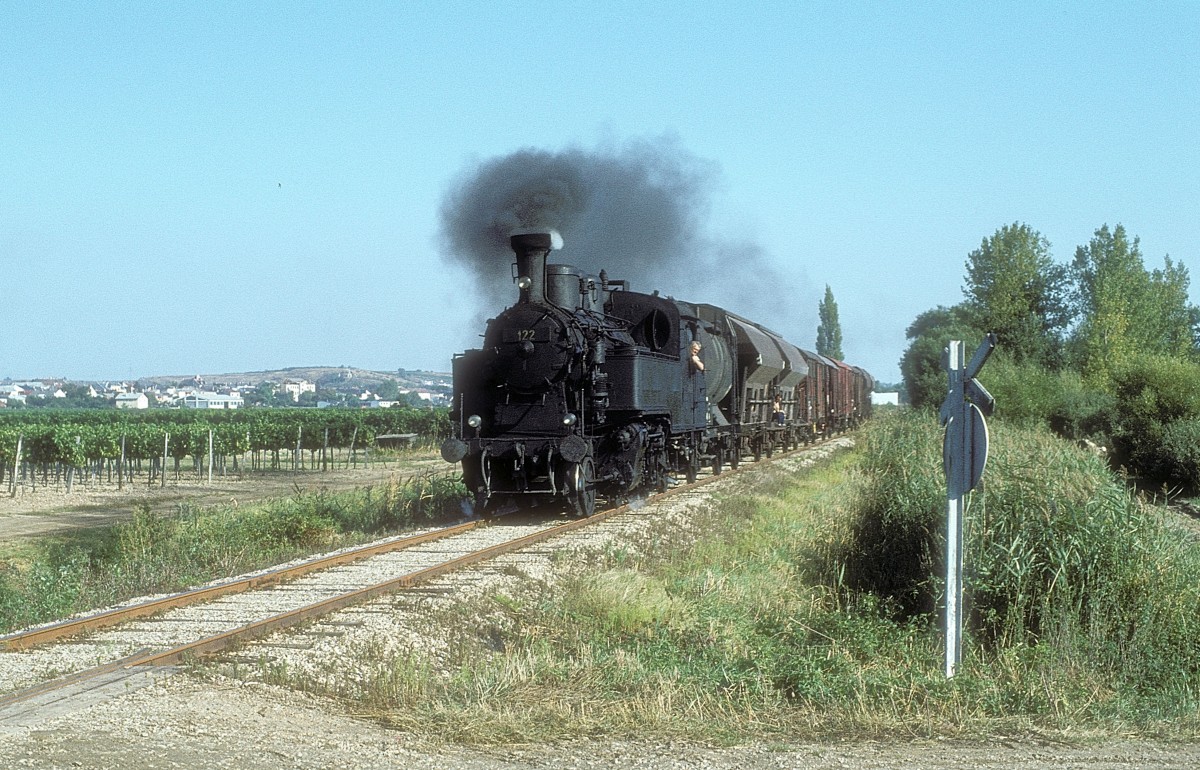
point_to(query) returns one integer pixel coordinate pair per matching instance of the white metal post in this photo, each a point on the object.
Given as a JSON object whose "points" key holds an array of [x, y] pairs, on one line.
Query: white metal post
{"points": [[956, 485]]}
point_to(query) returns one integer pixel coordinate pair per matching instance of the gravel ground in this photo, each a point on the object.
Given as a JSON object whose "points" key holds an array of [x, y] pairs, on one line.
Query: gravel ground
{"points": [[221, 721], [187, 723]]}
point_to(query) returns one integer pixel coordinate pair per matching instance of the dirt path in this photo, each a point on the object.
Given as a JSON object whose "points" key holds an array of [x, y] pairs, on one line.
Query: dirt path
{"points": [[49, 510], [185, 721]]}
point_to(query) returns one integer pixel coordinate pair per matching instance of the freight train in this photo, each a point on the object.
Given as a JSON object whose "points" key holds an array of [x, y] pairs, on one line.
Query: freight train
{"points": [[586, 389]]}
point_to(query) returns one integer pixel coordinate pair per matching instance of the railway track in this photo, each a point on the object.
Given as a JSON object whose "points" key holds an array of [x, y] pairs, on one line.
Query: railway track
{"points": [[131, 645]]}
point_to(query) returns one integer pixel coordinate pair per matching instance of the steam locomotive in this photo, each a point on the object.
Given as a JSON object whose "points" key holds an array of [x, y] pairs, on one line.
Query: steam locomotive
{"points": [[585, 388]]}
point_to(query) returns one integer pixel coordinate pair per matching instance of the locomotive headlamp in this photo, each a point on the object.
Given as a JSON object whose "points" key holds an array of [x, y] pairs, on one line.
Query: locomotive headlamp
{"points": [[524, 282], [474, 421], [570, 419]]}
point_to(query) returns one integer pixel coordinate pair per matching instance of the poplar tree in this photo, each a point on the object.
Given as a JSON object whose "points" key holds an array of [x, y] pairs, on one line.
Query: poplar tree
{"points": [[1125, 310], [829, 330]]}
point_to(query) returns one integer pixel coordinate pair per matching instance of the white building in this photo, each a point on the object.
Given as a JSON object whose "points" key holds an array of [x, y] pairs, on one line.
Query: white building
{"points": [[133, 401], [298, 388], [13, 393], [421, 393], [206, 400]]}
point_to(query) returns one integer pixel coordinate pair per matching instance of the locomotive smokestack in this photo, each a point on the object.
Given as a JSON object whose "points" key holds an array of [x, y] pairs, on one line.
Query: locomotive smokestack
{"points": [[532, 248]]}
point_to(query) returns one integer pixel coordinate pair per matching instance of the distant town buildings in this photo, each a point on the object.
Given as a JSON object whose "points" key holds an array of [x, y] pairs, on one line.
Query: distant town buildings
{"points": [[14, 392], [339, 387]]}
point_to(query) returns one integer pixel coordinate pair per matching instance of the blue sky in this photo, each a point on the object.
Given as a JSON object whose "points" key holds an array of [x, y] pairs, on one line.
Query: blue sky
{"points": [[212, 187]]}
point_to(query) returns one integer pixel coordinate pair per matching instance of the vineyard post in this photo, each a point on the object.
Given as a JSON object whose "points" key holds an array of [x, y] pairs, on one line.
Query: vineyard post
{"points": [[296, 457], [210, 454], [121, 465], [12, 481], [325, 452], [353, 438], [71, 467], [163, 471]]}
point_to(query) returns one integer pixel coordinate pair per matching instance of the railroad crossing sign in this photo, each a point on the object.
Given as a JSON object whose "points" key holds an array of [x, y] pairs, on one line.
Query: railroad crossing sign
{"points": [[965, 468], [964, 455], [964, 449]]}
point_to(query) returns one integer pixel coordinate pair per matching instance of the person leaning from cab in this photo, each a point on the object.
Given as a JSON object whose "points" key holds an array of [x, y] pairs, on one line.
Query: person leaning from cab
{"points": [[694, 358]]}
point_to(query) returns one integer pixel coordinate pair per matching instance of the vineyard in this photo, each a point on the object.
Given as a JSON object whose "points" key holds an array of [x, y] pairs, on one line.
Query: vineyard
{"points": [[54, 448]]}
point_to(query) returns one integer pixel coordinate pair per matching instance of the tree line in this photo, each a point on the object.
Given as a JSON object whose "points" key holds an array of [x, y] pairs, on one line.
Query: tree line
{"points": [[1103, 348]]}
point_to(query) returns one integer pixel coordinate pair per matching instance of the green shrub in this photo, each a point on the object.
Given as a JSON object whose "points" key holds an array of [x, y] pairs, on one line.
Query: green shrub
{"points": [[1026, 393], [1152, 392], [1030, 395], [1181, 451], [921, 365], [1082, 412]]}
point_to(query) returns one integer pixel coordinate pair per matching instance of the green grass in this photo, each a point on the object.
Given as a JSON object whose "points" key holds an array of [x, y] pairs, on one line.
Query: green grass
{"points": [[810, 611], [57, 576]]}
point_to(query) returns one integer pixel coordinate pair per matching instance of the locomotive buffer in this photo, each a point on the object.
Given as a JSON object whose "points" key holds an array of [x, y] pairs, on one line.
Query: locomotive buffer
{"points": [[964, 453]]}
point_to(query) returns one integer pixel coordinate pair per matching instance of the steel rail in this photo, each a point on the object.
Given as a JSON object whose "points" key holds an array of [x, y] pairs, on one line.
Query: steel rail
{"points": [[217, 643], [26, 639], [220, 642], [82, 675]]}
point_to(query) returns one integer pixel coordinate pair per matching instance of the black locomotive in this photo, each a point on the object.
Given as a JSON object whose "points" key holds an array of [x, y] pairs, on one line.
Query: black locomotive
{"points": [[585, 388]]}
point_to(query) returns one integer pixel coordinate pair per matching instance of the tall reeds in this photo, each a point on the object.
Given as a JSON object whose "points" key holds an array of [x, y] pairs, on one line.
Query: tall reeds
{"points": [[1068, 574]]}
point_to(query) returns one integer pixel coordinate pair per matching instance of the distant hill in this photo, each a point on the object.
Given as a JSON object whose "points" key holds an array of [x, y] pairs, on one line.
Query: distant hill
{"points": [[324, 376]]}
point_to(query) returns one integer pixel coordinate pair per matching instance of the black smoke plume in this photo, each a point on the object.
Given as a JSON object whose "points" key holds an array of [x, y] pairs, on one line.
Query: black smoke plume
{"points": [[638, 211]]}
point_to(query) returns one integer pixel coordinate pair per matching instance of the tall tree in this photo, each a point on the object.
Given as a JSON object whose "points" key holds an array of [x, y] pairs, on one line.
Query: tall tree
{"points": [[829, 330], [921, 364], [1176, 319], [1015, 290], [1123, 309]]}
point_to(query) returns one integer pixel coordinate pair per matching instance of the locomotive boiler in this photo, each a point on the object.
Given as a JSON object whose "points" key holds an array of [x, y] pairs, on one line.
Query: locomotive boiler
{"points": [[585, 388]]}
